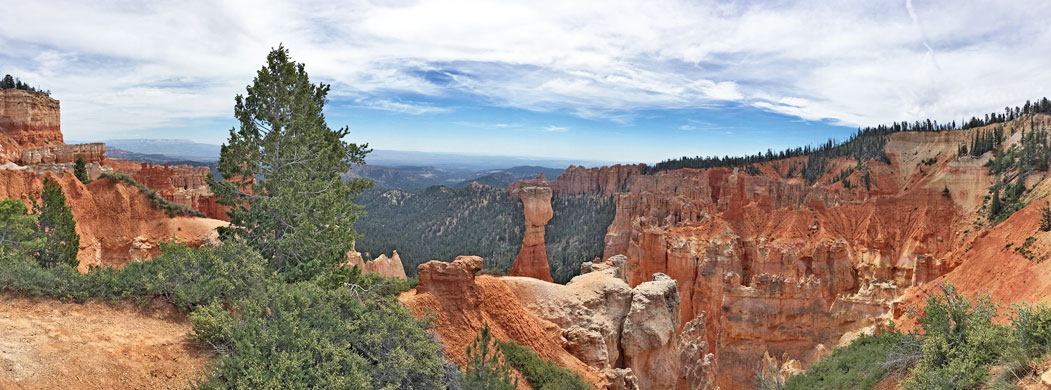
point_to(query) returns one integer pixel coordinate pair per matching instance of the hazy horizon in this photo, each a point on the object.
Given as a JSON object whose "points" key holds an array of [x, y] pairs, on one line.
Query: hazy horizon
{"points": [[631, 81]]}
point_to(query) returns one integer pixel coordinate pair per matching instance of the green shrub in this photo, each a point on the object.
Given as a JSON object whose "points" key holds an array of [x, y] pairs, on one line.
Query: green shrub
{"points": [[1031, 327], [80, 170], [860, 365], [541, 374], [960, 342], [301, 336], [55, 219], [270, 334]]}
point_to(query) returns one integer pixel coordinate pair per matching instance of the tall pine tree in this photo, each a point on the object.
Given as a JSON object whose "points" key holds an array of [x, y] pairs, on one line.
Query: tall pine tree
{"points": [[56, 222], [282, 168]]}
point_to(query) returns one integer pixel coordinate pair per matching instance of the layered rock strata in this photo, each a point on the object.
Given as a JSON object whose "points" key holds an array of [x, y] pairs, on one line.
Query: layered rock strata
{"points": [[27, 120], [64, 154], [768, 264]]}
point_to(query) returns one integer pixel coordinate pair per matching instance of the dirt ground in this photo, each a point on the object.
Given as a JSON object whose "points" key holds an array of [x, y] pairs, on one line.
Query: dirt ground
{"points": [[48, 344]]}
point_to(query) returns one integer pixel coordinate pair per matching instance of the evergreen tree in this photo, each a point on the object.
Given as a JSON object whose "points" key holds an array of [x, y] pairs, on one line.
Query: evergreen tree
{"points": [[18, 229], [1045, 217], [485, 369], [283, 169], [995, 206], [57, 225], [80, 170]]}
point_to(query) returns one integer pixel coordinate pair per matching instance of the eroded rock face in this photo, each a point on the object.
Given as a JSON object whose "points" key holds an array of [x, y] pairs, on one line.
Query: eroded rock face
{"points": [[532, 258], [629, 334], [64, 154], [116, 222], [462, 304], [390, 267], [447, 280], [767, 263], [650, 334], [577, 180], [27, 120], [184, 185]]}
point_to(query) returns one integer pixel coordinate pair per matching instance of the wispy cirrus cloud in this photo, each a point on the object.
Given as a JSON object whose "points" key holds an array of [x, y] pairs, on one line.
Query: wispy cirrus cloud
{"points": [[410, 108]]}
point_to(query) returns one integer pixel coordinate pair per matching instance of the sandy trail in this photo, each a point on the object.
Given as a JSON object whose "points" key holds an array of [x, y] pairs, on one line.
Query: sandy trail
{"points": [[48, 344]]}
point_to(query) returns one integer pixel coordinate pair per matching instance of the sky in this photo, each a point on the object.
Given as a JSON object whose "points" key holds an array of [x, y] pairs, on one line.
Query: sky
{"points": [[631, 81]]}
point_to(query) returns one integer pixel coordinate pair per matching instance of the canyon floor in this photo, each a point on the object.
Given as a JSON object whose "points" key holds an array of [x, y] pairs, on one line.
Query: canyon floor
{"points": [[48, 344]]}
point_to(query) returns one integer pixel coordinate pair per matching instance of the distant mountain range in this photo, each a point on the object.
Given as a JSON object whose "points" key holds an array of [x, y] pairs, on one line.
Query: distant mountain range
{"points": [[390, 169]]}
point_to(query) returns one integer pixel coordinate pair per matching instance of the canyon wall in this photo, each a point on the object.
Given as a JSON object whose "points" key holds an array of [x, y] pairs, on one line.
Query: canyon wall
{"points": [[768, 265]]}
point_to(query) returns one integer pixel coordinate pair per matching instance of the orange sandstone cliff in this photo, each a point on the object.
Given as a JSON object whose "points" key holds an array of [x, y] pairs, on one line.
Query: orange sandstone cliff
{"points": [[180, 184], [27, 120]]}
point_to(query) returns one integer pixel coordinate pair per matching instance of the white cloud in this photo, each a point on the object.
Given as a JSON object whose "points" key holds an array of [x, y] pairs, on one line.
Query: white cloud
{"points": [[402, 107], [556, 129], [121, 67]]}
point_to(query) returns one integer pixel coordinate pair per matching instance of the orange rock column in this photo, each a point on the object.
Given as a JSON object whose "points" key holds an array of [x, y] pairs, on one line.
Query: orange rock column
{"points": [[532, 259]]}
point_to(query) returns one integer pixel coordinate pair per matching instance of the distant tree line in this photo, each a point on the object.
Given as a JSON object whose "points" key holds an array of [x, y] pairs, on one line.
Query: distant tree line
{"points": [[9, 82], [985, 141], [864, 145]]}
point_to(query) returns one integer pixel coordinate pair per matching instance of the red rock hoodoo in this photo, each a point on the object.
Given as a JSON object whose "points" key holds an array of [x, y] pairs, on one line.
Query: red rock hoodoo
{"points": [[532, 259]]}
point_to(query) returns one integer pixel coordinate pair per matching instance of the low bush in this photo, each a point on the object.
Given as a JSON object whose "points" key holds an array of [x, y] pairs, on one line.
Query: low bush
{"points": [[541, 374], [343, 330], [960, 342], [860, 365]]}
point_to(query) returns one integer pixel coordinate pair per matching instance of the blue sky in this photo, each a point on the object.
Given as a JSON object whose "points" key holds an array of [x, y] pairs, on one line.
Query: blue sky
{"points": [[612, 80]]}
